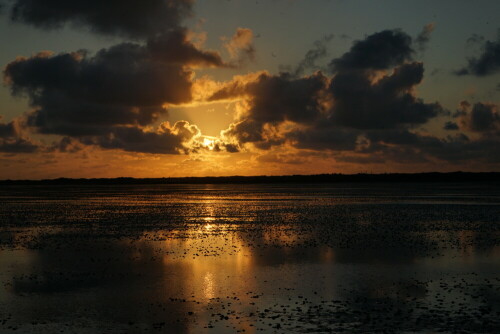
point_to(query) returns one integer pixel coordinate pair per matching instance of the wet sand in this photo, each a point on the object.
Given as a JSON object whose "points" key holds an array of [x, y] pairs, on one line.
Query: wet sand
{"points": [[293, 258]]}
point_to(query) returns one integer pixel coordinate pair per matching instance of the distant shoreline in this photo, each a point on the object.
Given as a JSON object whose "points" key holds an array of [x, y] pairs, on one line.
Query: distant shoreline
{"points": [[434, 177]]}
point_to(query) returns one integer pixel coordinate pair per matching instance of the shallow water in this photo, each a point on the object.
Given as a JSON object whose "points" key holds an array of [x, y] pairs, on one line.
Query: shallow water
{"points": [[352, 258]]}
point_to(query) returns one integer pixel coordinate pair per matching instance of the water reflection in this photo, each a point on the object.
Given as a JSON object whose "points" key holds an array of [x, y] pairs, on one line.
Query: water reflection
{"points": [[219, 259]]}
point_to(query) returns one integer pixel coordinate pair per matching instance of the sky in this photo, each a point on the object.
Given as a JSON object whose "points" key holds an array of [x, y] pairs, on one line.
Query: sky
{"points": [[168, 88]]}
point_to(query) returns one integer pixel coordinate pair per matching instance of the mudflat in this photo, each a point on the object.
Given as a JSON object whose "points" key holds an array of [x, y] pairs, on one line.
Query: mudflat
{"points": [[226, 258]]}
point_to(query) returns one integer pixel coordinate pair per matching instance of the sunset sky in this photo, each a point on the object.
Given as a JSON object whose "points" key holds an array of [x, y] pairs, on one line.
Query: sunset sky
{"points": [[161, 88]]}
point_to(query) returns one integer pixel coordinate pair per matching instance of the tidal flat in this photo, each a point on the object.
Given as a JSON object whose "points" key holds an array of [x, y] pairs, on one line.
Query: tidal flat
{"points": [[266, 258]]}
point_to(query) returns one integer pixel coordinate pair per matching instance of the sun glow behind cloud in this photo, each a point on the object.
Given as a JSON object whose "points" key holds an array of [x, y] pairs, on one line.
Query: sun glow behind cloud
{"points": [[209, 143]]}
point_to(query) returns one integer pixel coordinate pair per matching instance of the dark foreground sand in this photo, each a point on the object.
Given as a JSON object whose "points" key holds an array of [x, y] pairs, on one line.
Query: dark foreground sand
{"points": [[292, 258]]}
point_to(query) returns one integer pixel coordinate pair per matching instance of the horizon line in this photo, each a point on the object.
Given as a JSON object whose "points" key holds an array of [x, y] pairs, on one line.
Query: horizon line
{"points": [[456, 176]]}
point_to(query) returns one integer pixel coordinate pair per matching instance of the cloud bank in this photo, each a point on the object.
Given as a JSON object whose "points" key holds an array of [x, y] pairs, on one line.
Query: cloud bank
{"points": [[367, 111], [116, 97], [362, 108], [129, 18], [487, 63]]}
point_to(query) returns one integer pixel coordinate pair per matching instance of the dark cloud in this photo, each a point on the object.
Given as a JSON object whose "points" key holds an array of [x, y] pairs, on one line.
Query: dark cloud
{"points": [[403, 146], [327, 114], [17, 145], [400, 137], [130, 18], [274, 100], [461, 148], [111, 98], [334, 113], [379, 51], [488, 62], [319, 51], [13, 141], [175, 48], [325, 138], [424, 37], [363, 104], [367, 111], [231, 148], [280, 98], [450, 126], [481, 117], [74, 94], [7, 129], [67, 145], [165, 140]]}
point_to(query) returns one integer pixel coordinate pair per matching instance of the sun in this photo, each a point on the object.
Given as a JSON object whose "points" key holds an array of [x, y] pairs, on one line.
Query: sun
{"points": [[208, 142]]}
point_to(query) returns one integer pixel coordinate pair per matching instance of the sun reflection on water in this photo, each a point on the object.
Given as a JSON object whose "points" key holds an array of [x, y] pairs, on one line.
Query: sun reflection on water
{"points": [[208, 285]]}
